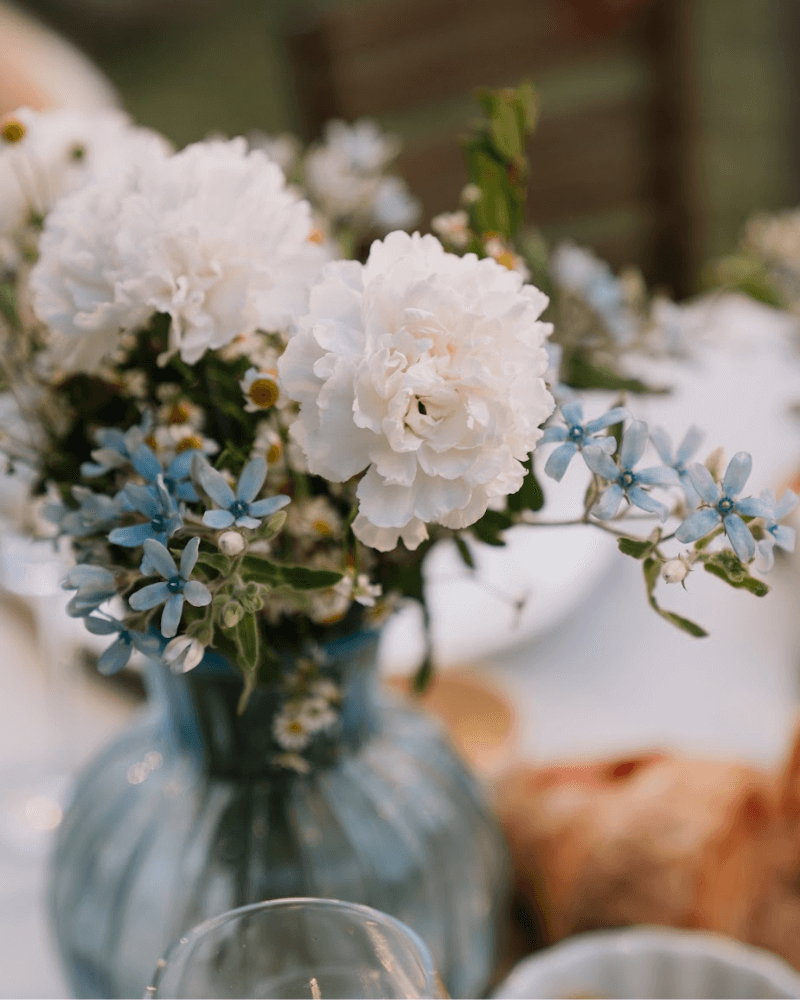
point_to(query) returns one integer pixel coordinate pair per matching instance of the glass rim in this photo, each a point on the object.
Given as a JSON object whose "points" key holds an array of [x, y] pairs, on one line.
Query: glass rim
{"points": [[359, 909]]}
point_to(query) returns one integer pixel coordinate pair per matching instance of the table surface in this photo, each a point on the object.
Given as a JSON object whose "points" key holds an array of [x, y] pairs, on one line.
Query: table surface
{"points": [[611, 676]]}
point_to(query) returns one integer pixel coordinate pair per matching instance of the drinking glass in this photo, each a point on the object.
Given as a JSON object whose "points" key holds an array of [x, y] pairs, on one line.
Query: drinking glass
{"points": [[316, 948]]}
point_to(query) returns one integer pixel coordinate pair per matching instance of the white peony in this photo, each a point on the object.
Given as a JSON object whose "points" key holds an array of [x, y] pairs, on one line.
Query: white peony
{"points": [[210, 236], [424, 369], [61, 151]]}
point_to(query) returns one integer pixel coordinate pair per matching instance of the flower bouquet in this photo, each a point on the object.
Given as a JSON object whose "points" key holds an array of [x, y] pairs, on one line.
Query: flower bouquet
{"points": [[254, 404]]}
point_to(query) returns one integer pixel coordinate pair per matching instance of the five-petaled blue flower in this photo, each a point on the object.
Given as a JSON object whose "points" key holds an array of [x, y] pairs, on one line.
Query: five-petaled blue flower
{"points": [[93, 585], [177, 586], [164, 519], [96, 514], [116, 448], [624, 481], [118, 653], [238, 509], [677, 460], [176, 475], [576, 435], [723, 507], [774, 533]]}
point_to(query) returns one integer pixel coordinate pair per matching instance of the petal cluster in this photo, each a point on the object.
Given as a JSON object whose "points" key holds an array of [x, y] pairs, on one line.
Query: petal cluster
{"points": [[423, 370]]}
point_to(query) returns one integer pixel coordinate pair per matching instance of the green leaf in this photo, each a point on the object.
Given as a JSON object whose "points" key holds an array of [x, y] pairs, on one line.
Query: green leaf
{"points": [[464, 552], [216, 560], [269, 528], [277, 574], [505, 131], [728, 567], [580, 373], [528, 104], [248, 642], [636, 547], [530, 495], [490, 527], [8, 303], [652, 568], [423, 677]]}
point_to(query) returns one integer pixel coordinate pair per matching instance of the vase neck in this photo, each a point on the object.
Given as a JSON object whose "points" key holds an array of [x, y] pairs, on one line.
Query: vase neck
{"points": [[202, 716]]}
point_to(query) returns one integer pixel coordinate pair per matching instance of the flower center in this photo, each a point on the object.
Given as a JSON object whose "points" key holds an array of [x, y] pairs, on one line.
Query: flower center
{"points": [[315, 236], [175, 584], [239, 508], [160, 523], [576, 434], [188, 443], [13, 130], [263, 392], [627, 479], [506, 258], [322, 527], [125, 637], [725, 506], [179, 413], [273, 454]]}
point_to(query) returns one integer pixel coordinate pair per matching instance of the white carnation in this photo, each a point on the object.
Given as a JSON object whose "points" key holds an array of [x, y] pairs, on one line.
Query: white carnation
{"points": [[62, 151], [209, 236], [424, 369]]}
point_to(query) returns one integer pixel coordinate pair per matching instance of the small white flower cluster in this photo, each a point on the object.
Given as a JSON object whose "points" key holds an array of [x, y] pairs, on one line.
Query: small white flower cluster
{"points": [[346, 178], [303, 716]]}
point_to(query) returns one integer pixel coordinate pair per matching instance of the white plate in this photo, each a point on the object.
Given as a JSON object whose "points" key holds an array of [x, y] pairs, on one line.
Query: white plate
{"points": [[651, 962]]}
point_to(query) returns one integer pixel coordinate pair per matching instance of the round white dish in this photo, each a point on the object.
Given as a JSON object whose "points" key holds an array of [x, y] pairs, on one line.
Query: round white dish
{"points": [[651, 962]]}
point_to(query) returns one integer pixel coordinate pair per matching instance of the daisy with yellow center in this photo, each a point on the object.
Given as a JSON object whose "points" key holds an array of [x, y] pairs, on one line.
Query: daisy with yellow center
{"points": [[290, 731], [260, 388]]}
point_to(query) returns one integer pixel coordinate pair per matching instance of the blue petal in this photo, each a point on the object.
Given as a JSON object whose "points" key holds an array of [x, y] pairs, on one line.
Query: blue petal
{"points": [[703, 482], [263, 508], [252, 479], [147, 644], [83, 603], [171, 615], [552, 434], [765, 554], [102, 626], [697, 525], [110, 437], [149, 597], [572, 413], [556, 464], [145, 462], [142, 500], [247, 522], [130, 537], [663, 445], [784, 537], [90, 470], [86, 573], [189, 557], [599, 462], [197, 593], [753, 507], [691, 494], [639, 498], [739, 536], [615, 416], [691, 442], [736, 474], [218, 518], [608, 504], [785, 505], [214, 484], [158, 556], [634, 442], [185, 491], [181, 465], [115, 657], [658, 475]]}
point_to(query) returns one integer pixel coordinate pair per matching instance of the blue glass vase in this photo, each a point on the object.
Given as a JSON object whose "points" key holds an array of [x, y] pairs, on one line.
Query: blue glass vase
{"points": [[184, 817]]}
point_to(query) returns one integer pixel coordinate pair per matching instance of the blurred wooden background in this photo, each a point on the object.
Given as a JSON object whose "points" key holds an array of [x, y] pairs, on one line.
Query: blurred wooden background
{"points": [[664, 123]]}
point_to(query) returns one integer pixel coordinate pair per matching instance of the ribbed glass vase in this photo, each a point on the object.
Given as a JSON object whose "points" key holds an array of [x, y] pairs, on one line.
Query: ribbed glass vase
{"points": [[184, 817]]}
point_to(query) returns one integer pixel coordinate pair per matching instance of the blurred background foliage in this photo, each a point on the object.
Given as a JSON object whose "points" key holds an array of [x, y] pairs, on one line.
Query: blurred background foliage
{"points": [[192, 67]]}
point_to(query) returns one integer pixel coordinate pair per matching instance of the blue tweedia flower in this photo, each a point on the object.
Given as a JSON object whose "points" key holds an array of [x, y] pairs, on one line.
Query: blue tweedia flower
{"points": [[238, 509], [175, 476], [97, 513], [677, 460], [774, 533], [118, 653], [164, 519], [722, 507], [94, 586], [624, 481], [175, 589], [576, 435], [116, 448]]}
